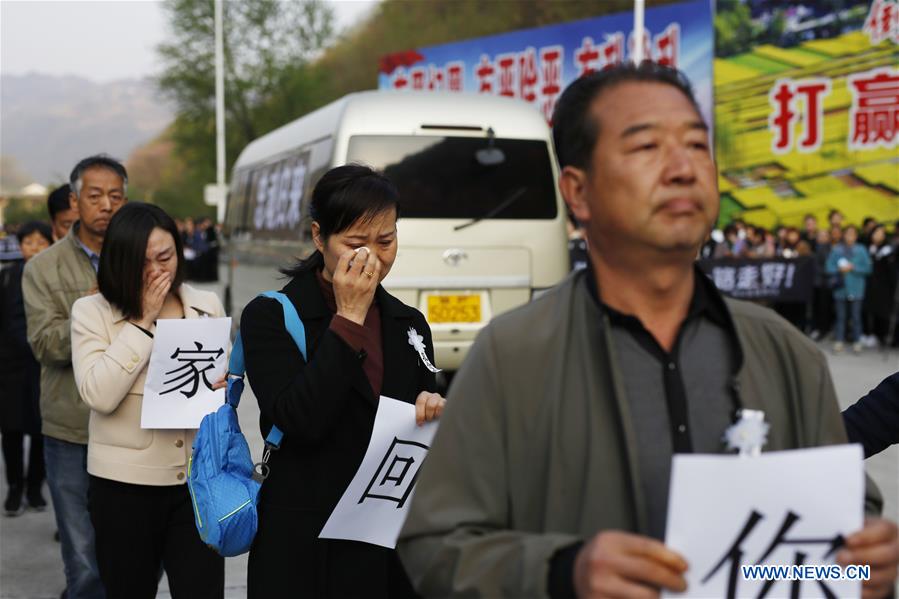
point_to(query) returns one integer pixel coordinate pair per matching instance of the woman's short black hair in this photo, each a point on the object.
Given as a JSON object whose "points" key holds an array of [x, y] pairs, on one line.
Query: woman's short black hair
{"points": [[35, 226], [120, 277], [344, 195]]}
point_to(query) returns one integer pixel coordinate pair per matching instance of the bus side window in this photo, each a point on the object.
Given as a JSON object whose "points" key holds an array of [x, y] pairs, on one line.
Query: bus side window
{"points": [[236, 203], [246, 178], [320, 161]]}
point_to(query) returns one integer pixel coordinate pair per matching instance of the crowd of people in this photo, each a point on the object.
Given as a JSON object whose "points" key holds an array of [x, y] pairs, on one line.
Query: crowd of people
{"points": [[856, 272], [550, 471], [200, 238]]}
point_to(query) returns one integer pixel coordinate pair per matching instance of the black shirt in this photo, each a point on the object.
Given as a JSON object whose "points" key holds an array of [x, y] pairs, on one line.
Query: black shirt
{"points": [[705, 303], [706, 354]]}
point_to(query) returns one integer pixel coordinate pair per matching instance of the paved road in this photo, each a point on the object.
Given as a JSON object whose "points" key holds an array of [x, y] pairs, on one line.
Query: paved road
{"points": [[30, 565]]}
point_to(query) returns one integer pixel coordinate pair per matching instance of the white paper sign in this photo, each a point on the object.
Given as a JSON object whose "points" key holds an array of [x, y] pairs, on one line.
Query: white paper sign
{"points": [[374, 506], [189, 356], [780, 508]]}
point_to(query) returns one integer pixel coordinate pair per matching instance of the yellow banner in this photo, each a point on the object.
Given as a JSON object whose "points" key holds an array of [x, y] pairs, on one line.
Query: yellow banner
{"points": [[805, 127]]}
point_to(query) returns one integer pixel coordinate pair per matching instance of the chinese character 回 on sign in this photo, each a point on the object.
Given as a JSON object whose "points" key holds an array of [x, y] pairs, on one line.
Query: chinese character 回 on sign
{"points": [[395, 477], [186, 377]]}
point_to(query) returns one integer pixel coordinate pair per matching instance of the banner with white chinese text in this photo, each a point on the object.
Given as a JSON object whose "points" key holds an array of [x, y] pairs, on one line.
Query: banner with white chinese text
{"points": [[771, 279], [537, 64]]}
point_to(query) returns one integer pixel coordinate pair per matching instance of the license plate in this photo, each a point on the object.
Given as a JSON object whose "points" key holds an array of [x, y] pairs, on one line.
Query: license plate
{"points": [[454, 308]]}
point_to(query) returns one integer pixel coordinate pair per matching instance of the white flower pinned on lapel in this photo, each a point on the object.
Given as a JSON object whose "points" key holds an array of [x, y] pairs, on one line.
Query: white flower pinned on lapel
{"points": [[748, 434], [418, 344]]}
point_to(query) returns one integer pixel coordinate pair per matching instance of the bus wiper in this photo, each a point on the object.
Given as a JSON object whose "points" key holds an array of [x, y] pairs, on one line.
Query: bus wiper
{"points": [[517, 194]]}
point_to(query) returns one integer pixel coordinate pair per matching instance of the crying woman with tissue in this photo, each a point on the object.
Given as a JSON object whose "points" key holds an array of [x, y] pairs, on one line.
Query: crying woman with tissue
{"points": [[360, 346]]}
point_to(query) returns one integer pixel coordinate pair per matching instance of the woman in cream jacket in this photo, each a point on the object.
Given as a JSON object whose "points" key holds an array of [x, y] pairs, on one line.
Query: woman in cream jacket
{"points": [[138, 498]]}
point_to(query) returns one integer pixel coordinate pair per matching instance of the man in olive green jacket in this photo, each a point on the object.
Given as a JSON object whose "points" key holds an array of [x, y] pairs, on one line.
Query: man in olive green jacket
{"points": [[51, 283], [549, 473]]}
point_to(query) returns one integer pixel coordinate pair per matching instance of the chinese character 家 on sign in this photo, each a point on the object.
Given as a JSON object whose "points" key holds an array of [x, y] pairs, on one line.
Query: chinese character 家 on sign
{"points": [[189, 356]]}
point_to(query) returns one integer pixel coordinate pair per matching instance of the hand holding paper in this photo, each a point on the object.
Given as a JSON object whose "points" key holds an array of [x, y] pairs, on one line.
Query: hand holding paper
{"points": [[221, 383], [428, 407], [621, 564], [877, 545]]}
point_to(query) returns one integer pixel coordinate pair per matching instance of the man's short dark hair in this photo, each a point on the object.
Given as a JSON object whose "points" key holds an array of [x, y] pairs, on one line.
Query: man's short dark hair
{"points": [[575, 131], [58, 200], [120, 277], [99, 160], [35, 226]]}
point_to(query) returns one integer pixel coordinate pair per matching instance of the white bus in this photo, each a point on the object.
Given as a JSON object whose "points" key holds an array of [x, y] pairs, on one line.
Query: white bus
{"points": [[482, 224]]}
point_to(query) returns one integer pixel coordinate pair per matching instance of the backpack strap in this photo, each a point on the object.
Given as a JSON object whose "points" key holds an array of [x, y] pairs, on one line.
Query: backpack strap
{"points": [[291, 319], [236, 369], [237, 363]]}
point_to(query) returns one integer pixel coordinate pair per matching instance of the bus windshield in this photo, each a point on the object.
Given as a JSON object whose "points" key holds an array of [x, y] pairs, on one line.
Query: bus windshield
{"points": [[463, 177]]}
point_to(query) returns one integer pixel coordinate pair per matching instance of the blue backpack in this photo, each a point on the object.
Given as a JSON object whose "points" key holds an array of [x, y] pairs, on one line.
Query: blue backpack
{"points": [[223, 482]]}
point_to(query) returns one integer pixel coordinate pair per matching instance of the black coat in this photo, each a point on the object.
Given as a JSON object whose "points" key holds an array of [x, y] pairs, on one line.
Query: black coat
{"points": [[20, 374], [881, 285], [326, 410], [873, 420]]}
